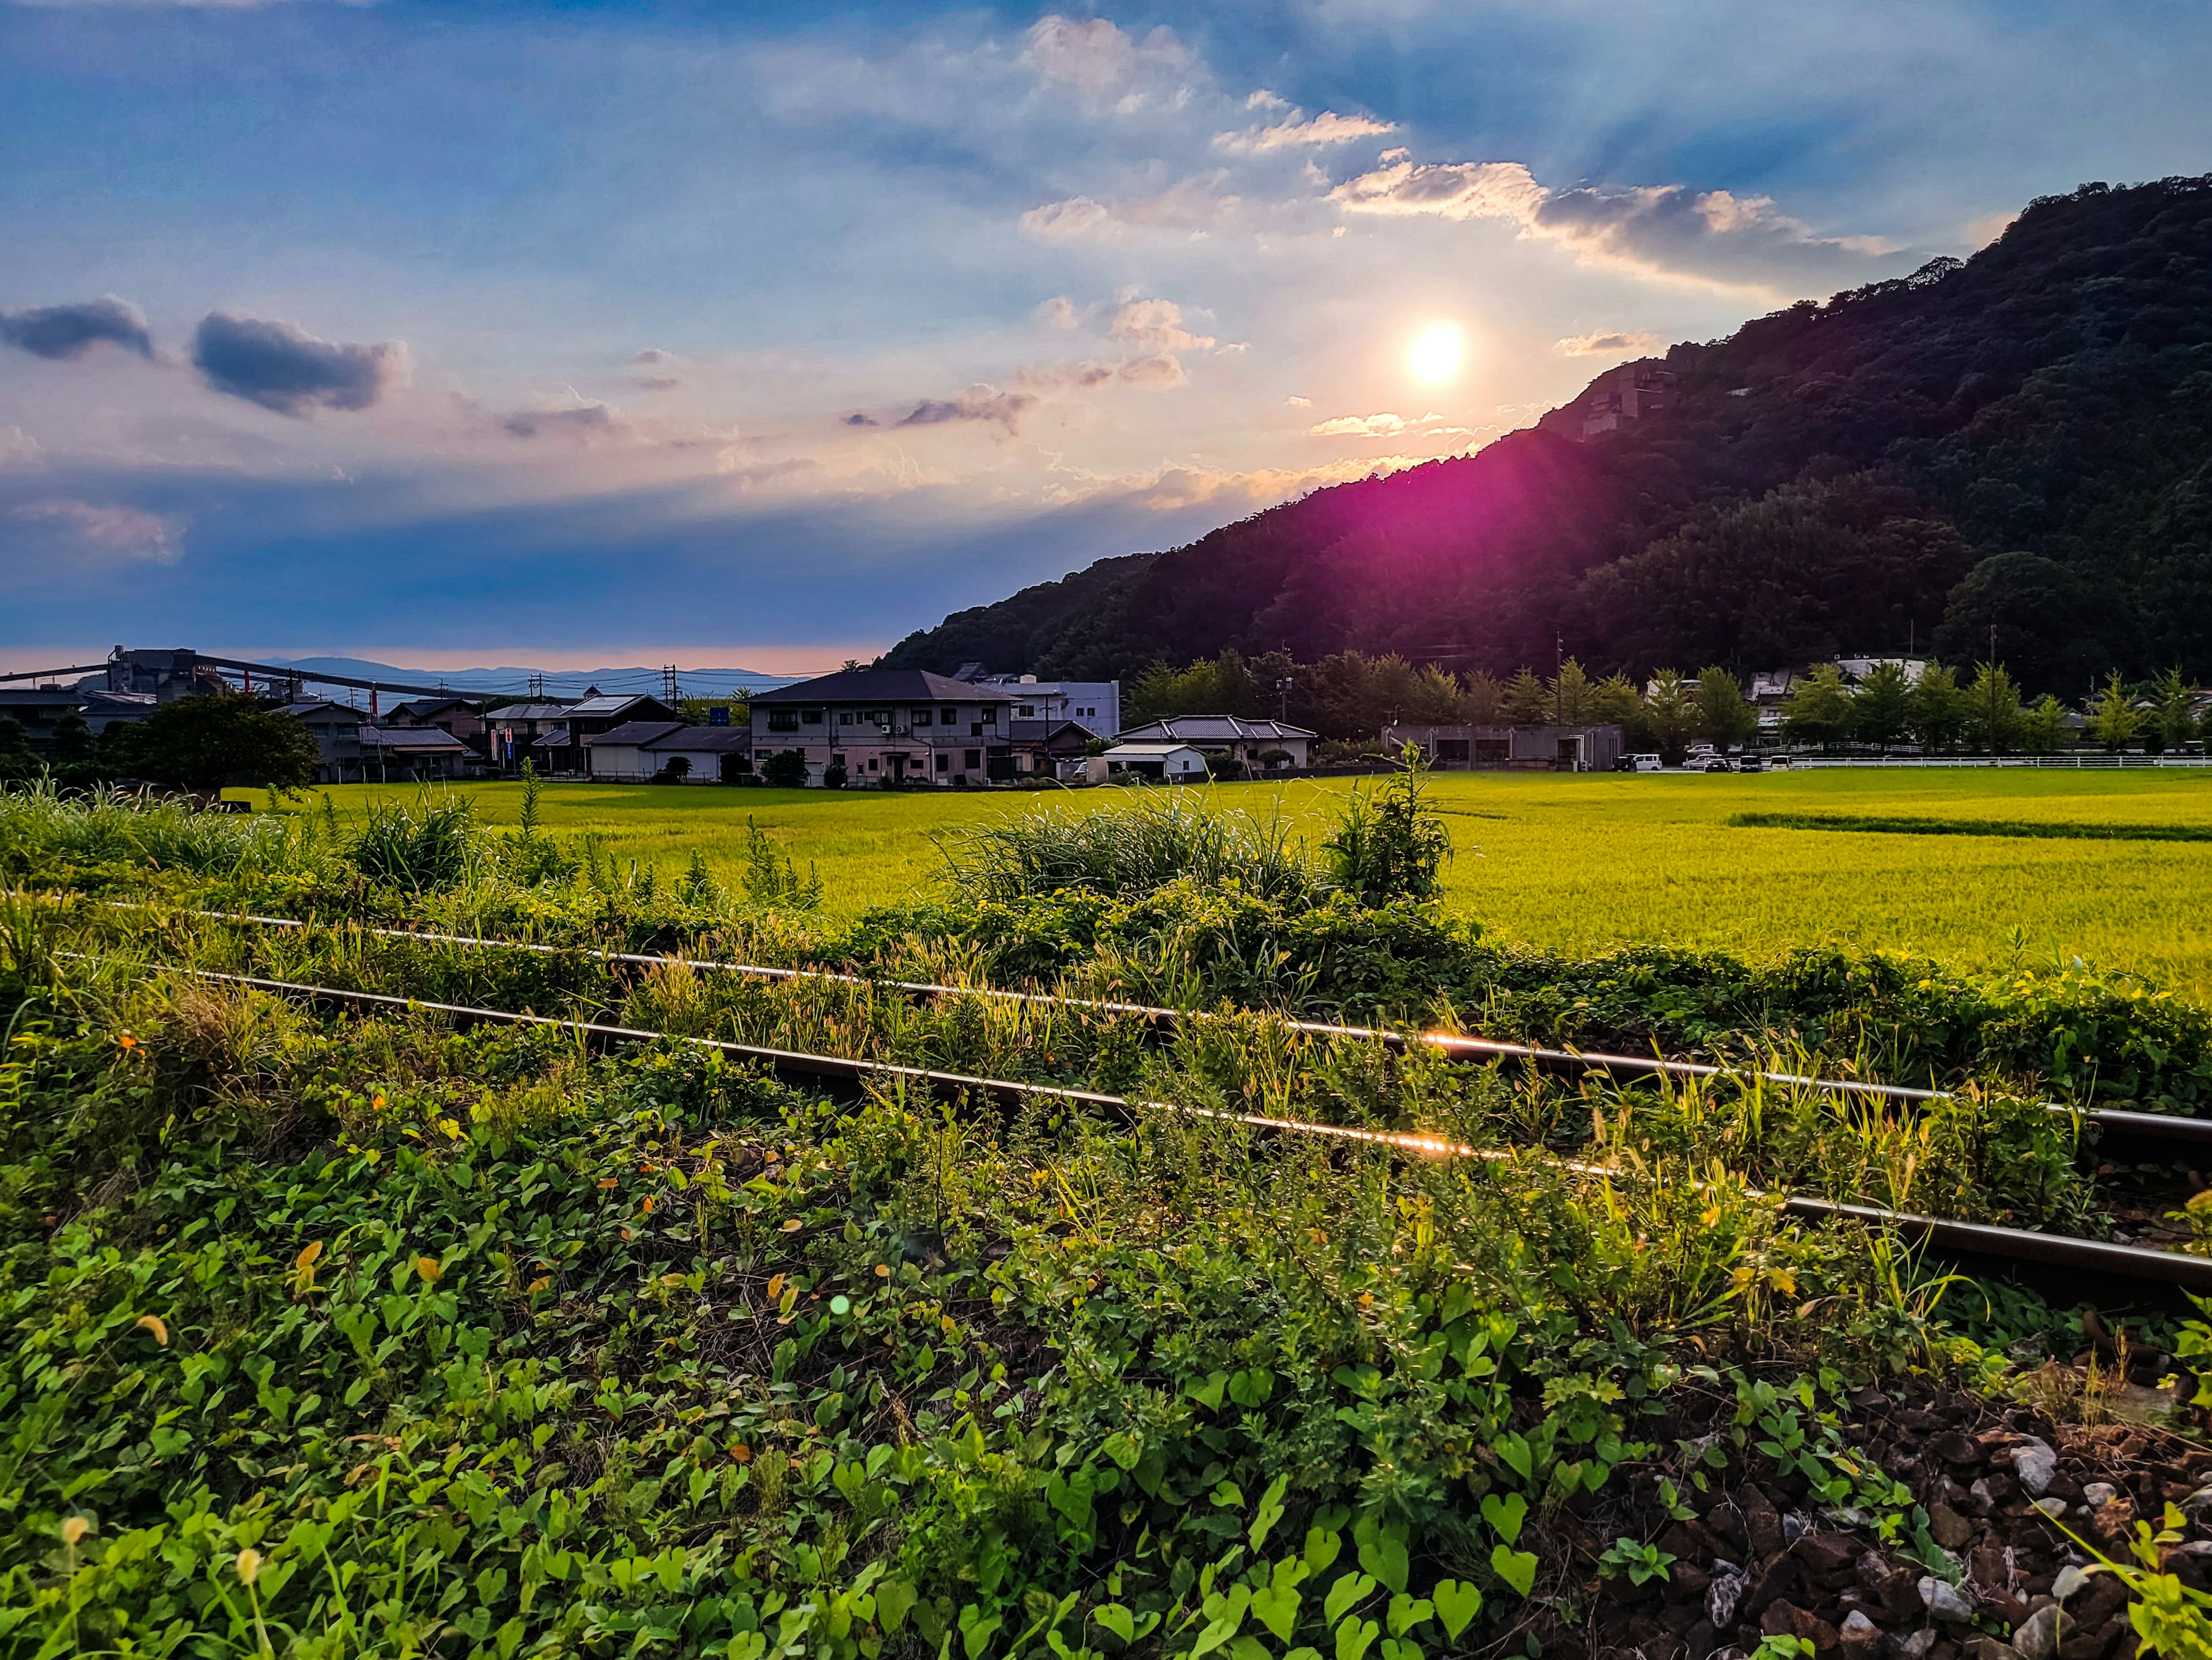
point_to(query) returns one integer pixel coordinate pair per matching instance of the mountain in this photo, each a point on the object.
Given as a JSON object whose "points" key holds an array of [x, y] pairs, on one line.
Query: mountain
{"points": [[2021, 441], [514, 682]]}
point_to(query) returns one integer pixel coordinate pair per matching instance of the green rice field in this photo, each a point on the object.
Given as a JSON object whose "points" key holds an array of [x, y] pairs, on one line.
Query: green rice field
{"points": [[1985, 869]]}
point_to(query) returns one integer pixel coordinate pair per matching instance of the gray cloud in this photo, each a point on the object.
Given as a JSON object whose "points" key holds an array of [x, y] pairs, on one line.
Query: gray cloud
{"points": [[653, 355], [1608, 343], [67, 333], [90, 535], [983, 403], [587, 422], [281, 367]]}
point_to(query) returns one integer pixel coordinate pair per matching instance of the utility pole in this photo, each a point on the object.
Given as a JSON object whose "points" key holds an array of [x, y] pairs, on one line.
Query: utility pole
{"points": [[1558, 678], [1993, 694]]}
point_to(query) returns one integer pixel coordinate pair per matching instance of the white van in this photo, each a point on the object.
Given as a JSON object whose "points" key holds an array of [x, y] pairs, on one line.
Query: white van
{"points": [[1644, 763]]}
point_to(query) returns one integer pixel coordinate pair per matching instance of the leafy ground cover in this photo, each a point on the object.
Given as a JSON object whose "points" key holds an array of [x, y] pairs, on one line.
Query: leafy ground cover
{"points": [[1584, 864], [339, 1336]]}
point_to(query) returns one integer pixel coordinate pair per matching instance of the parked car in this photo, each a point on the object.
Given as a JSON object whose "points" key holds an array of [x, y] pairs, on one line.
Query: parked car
{"points": [[1640, 764], [1714, 763]]}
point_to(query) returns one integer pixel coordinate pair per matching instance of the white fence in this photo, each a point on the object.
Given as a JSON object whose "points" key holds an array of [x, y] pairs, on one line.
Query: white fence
{"points": [[1798, 763]]}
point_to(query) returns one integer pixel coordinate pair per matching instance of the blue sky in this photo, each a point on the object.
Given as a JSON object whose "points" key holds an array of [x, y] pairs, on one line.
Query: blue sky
{"points": [[768, 333]]}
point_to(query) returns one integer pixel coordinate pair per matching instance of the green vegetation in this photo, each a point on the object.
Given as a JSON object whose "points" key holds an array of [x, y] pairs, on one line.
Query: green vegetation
{"points": [[2017, 444], [341, 1335]]}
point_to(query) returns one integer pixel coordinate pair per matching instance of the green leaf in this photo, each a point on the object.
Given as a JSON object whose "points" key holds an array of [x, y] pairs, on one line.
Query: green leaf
{"points": [[1456, 1605], [1506, 1515], [1353, 1637], [1383, 1552], [1405, 1613], [1270, 1511], [895, 1598], [1112, 1616], [1208, 1393], [1348, 1590], [1251, 1388], [976, 1629], [1277, 1609], [1125, 1448], [1515, 1452], [1323, 1545], [1517, 1568]]}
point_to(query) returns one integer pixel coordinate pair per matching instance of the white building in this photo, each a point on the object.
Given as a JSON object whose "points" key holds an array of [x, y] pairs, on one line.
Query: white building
{"points": [[1173, 763], [1096, 704], [1249, 741]]}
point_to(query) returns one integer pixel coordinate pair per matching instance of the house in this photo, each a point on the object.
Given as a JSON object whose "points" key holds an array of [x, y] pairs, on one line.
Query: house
{"points": [[39, 709], [457, 717], [514, 729], [1172, 764], [638, 750], [336, 728], [1039, 746], [102, 709], [1546, 749], [1266, 745], [413, 753], [888, 726], [1094, 704], [593, 714]]}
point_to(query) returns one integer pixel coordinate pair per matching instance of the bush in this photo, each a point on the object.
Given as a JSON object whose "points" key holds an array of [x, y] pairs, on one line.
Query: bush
{"points": [[202, 744], [1122, 852], [431, 848], [1390, 848], [785, 770]]}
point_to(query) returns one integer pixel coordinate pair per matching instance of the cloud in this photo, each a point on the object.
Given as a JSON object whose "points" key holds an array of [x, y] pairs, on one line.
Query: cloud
{"points": [[1298, 402], [65, 333], [585, 423], [1655, 230], [106, 536], [1059, 311], [984, 403], [1188, 487], [653, 355], [1616, 343], [1194, 207], [18, 448], [1326, 128], [660, 382], [283, 368], [1156, 325], [861, 418], [1385, 425], [1105, 65]]}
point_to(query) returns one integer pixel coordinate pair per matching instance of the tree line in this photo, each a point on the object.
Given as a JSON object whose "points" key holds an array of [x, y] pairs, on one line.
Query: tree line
{"points": [[1349, 697], [196, 744]]}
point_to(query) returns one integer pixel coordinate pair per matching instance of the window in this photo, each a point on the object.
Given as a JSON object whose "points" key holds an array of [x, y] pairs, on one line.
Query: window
{"points": [[944, 762], [952, 717], [922, 717], [971, 758], [872, 763], [990, 714], [811, 717], [1026, 710], [783, 720], [845, 717]]}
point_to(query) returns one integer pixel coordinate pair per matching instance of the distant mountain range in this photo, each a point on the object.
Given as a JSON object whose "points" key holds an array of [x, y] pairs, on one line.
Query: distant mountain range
{"points": [[512, 682], [2013, 453]]}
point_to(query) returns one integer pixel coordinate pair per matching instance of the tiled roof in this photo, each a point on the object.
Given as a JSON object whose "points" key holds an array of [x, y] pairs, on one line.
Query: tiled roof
{"points": [[1213, 728], [884, 686]]}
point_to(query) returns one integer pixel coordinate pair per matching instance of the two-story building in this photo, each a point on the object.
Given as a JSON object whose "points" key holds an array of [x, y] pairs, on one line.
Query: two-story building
{"points": [[888, 726], [1095, 705]]}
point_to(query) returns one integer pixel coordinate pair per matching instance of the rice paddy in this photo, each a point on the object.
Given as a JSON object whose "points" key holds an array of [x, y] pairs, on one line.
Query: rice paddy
{"points": [[1985, 869]]}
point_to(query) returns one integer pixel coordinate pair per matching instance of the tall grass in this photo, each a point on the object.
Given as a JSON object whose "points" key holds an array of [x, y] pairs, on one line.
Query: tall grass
{"points": [[1127, 851], [41, 831]]}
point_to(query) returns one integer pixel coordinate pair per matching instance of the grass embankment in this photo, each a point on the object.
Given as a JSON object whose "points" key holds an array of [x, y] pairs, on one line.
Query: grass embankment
{"points": [[2075, 865]]}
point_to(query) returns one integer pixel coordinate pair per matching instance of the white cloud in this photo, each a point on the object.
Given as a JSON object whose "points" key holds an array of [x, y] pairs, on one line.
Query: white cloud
{"points": [[1384, 425], [1298, 402], [1609, 343], [1715, 237], [1106, 66], [106, 535], [18, 448], [583, 423], [1326, 128], [1059, 311], [1156, 325], [1193, 206]]}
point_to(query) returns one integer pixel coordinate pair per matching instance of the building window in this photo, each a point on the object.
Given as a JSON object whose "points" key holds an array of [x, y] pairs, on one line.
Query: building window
{"points": [[1026, 710], [952, 717], [922, 717], [872, 763], [811, 717], [971, 759], [944, 762], [845, 718], [783, 720]]}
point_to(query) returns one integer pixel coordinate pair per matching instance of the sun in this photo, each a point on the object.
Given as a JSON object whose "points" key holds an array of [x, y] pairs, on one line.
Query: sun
{"points": [[1436, 352]]}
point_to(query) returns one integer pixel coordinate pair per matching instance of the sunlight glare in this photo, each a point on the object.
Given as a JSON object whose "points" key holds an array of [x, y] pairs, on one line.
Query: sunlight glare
{"points": [[1434, 353]]}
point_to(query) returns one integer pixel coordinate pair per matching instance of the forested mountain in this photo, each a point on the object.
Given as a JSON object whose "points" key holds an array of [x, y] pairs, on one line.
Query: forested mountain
{"points": [[2023, 440]]}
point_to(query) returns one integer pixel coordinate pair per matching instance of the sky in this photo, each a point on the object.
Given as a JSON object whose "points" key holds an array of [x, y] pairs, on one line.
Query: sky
{"points": [[767, 333]]}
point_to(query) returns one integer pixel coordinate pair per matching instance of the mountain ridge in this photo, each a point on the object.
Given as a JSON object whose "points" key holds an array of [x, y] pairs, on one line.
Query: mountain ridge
{"points": [[1835, 476]]}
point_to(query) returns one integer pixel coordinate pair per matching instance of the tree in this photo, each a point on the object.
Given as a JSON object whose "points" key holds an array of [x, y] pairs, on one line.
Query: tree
{"points": [[1612, 701], [1882, 705], [2050, 626], [2114, 719], [1574, 696], [202, 744], [676, 768], [1669, 716], [17, 764], [1527, 700], [1936, 710], [785, 770], [1723, 716], [2044, 729], [833, 775], [1991, 706], [2173, 711], [1818, 709], [1483, 702]]}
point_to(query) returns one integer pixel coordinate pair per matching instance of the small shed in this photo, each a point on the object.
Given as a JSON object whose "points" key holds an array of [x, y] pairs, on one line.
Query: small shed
{"points": [[1174, 763]]}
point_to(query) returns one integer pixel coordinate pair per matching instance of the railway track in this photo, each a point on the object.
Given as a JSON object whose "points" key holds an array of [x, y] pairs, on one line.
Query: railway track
{"points": [[2093, 1261], [2160, 1133]]}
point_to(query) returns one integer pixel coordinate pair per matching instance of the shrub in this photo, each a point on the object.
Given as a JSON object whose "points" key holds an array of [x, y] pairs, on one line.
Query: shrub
{"points": [[785, 770], [1391, 846], [431, 847], [1122, 852]]}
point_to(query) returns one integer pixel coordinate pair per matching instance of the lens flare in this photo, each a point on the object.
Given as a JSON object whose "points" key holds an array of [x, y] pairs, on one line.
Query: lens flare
{"points": [[1436, 352]]}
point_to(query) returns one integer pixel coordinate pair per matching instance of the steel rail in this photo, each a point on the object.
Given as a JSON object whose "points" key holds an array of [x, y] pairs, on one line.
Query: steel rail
{"points": [[1453, 1043], [2190, 1273]]}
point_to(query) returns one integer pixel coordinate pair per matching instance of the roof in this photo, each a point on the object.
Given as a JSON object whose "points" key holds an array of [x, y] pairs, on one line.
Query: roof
{"points": [[1043, 732], [1213, 728], [420, 707], [410, 738], [530, 712], [594, 706], [308, 709], [705, 740], [883, 686], [39, 697], [1149, 752], [637, 733], [556, 738]]}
